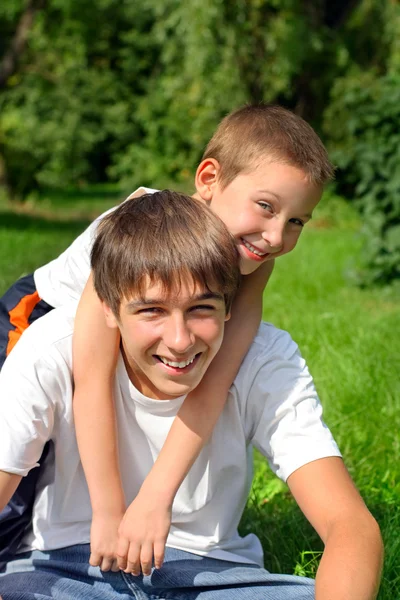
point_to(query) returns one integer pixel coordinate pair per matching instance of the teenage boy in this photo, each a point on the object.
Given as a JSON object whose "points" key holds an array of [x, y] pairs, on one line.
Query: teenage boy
{"points": [[171, 308]]}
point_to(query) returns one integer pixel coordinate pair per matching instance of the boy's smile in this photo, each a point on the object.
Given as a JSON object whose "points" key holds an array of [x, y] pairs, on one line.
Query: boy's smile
{"points": [[252, 252], [265, 209], [170, 338]]}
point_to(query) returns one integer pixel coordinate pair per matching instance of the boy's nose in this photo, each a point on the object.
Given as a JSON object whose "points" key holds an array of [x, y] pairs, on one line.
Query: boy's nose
{"points": [[274, 239], [177, 335]]}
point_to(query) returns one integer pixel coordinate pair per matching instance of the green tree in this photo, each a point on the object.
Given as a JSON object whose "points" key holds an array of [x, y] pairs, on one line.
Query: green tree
{"points": [[214, 56], [70, 105], [365, 101], [14, 32], [133, 92]]}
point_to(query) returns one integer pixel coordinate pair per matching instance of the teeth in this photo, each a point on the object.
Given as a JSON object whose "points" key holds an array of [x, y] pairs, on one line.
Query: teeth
{"points": [[252, 249], [179, 365]]}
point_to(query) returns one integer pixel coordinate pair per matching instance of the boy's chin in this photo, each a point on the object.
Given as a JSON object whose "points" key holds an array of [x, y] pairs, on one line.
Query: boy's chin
{"points": [[176, 391], [247, 267]]}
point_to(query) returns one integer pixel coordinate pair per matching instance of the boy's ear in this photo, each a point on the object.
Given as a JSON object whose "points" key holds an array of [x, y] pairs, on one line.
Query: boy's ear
{"points": [[207, 178], [109, 316]]}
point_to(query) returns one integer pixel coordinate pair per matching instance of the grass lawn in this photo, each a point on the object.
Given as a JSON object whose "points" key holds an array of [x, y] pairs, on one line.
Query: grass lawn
{"points": [[348, 336]]}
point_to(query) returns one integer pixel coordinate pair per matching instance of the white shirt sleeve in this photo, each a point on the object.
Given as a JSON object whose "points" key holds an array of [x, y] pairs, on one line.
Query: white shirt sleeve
{"points": [[33, 387], [61, 281], [284, 414]]}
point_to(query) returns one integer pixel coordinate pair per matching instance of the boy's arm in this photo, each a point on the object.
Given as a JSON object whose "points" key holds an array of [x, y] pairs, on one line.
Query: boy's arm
{"points": [[95, 353], [8, 484], [351, 564], [145, 526]]}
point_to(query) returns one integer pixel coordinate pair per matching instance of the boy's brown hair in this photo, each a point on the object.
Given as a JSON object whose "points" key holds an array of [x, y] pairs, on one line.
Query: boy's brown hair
{"points": [[248, 135], [163, 237]]}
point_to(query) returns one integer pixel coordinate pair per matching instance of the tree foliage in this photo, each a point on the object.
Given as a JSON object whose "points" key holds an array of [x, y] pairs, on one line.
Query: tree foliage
{"points": [[70, 105], [132, 91], [366, 146]]}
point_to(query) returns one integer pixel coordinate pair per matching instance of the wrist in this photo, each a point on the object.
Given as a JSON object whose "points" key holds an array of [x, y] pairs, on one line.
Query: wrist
{"points": [[106, 513], [157, 490], [114, 506]]}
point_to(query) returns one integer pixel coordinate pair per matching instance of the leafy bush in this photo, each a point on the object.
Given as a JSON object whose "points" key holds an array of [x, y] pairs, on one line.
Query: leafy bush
{"points": [[366, 149]]}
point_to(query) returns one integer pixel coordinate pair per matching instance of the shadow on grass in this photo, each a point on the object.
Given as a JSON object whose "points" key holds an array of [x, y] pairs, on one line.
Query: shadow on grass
{"points": [[72, 195], [24, 222], [291, 545], [284, 533]]}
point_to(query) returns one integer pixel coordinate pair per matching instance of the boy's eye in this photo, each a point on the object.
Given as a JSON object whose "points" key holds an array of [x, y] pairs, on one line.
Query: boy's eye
{"points": [[202, 307], [297, 222], [151, 311], [266, 206]]}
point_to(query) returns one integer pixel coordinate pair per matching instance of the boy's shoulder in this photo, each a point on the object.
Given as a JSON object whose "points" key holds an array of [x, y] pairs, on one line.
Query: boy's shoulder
{"points": [[48, 339], [279, 405], [38, 371], [272, 365], [270, 346], [140, 191]]}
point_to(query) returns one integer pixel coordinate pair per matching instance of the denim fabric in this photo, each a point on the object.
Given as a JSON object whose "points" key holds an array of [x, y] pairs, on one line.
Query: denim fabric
{"points": [[66, 575]]}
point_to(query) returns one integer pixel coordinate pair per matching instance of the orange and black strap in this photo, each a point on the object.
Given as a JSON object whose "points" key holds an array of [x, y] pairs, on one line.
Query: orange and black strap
{"points": [[19, 318], [19, 307]]}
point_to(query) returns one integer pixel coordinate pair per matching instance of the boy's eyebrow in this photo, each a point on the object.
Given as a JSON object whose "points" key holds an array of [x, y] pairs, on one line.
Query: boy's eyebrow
{"points": [[208, 296], [307, 215], [270, 193], [196, 298]]}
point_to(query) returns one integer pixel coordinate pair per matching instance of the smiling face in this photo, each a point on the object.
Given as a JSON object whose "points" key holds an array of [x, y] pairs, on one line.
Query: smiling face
{"points": [[169, 338], [265, 209]]}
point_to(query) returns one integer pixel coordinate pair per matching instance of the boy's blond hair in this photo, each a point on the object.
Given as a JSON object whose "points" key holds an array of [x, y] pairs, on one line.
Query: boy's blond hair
{"points": [[252, 133], [165, 238]]}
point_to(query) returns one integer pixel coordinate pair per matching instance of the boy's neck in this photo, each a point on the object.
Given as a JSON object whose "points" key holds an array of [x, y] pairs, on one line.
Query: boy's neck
{"points": [[197, 196]]}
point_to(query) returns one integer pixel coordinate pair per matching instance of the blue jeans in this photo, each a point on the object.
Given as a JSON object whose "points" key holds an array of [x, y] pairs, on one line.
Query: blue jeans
{"points": [[65, 574]]}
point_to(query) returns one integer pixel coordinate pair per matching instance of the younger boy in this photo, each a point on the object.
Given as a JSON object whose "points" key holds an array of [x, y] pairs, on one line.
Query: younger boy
{"points": [[262, 173], [168, 307]]}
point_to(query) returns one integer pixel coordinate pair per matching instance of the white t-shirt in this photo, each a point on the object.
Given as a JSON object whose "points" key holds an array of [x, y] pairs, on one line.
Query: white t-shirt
{"points": [[61, 281], [272, 405]]}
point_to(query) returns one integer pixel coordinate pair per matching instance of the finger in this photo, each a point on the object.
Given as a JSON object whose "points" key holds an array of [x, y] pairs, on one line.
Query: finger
{"points": [[132, 568], [106, 563], [122, 553], [146, 558], [133, 565], [95, 559], [115, 567], [159, 553]]}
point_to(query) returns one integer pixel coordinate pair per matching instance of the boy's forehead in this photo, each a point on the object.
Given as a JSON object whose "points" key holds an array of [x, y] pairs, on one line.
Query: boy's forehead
{"points": [[270, 164], [279, 177], [183, 289]]}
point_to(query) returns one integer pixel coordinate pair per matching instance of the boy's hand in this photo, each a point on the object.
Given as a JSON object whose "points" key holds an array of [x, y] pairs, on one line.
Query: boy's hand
{"points": [[104, 541], [143, 533]]}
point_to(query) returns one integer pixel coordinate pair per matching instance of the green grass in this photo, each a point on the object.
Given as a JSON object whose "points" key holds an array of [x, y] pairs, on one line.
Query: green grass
{"points": [[33, 233], [348, 336]]}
